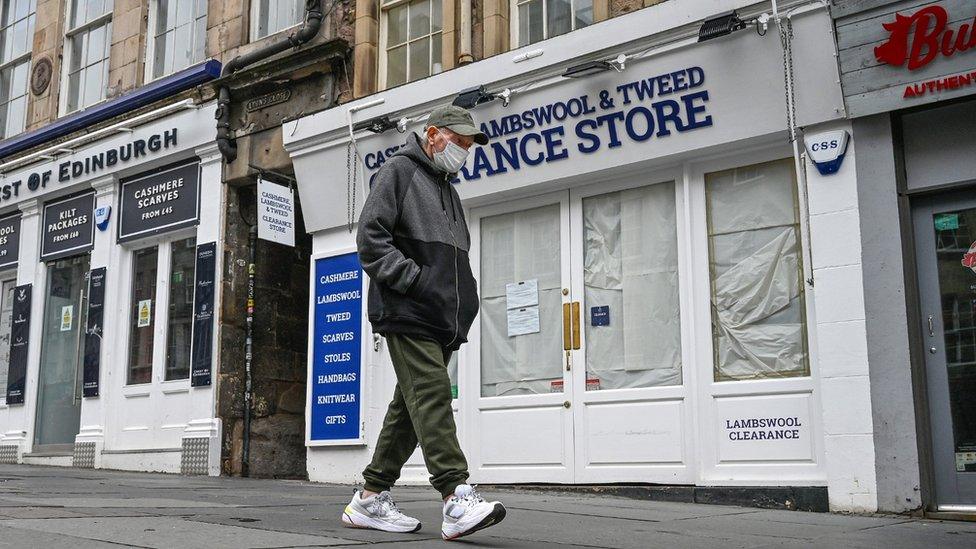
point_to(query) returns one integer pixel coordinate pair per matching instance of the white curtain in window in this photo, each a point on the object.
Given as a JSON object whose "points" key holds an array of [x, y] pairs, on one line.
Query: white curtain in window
{"points": [[757, 300], [631, 267], [517, 247]]}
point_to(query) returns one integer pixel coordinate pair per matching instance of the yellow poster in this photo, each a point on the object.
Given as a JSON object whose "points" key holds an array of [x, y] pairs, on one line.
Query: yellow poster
{"points": [[67, 316], [145, 313]]}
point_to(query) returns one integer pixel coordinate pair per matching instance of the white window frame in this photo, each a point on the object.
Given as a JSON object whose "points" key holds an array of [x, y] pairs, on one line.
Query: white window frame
{"points": [[5, 277], [103, 19], [160, 314], [385, 7], [14, 62], [151, 43], [256, 17], [513, 19]]}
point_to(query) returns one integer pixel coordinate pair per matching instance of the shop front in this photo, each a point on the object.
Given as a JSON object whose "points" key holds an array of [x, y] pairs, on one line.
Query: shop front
{"points": [[109, 253], [642, 245], [909, 81]]}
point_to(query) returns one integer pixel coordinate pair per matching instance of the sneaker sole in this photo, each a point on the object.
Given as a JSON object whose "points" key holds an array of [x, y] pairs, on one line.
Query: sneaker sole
{"points": [[496, 515], [348, 522]]}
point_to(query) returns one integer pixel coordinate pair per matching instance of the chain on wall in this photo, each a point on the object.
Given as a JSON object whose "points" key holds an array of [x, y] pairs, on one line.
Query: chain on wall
{"points": [[786, 39]]}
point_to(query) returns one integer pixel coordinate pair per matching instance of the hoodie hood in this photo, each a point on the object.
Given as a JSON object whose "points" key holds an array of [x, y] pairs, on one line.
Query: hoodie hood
{"points": [[415, 151]]}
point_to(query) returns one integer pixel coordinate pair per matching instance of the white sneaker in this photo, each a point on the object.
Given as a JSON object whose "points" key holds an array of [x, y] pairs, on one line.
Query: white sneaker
{"points": [[378, 512], [467, 512]]}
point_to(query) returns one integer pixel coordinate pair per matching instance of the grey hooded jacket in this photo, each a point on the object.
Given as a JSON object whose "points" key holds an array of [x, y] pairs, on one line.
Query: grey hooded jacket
{"points": [[413, 243]]}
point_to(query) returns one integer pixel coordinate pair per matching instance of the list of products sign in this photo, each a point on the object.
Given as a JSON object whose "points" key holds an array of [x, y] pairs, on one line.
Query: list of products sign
{"points": [[68, 227], [93, 331], [337, 349], [201, 362], [164, 200], [9, 240], [19, 338]]}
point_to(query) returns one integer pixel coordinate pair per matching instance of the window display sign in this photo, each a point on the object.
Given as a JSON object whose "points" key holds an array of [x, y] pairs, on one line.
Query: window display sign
{"points": [[93, 331], [163, 200], [201, 363], [19, 338], [9, 241], [69, 228], [335, 384]]}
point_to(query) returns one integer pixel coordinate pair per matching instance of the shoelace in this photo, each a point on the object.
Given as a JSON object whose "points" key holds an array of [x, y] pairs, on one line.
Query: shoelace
{"points": [[472, 497], [388, 505]]}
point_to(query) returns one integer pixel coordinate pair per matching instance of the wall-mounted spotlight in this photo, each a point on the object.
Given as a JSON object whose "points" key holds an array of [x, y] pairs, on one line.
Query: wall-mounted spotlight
{"points": [[472, 97], [376, 125], [720, 25], [595, 67]]}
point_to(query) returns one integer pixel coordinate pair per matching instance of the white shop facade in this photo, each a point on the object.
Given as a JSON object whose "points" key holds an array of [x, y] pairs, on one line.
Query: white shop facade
{"points": [[110, 254], [651, 312]]}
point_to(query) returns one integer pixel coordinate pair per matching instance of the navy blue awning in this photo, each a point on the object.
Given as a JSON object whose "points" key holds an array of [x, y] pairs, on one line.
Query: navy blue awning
{"points": [[140, 97]]}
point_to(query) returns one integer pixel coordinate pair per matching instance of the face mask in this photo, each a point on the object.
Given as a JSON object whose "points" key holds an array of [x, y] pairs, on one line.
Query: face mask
{"points": [[452, 158]]}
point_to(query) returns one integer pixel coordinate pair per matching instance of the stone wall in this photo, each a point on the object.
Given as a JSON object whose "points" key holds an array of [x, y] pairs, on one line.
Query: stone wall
{"points": [[277, 446]]}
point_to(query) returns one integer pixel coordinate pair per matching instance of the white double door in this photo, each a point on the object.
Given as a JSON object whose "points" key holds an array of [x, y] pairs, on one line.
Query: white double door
{"points": [[574, 372]]}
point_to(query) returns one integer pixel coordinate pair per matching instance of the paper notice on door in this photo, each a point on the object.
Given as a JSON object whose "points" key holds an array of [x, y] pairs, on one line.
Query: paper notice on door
{"points": [[523, 321], [145, 313], [522, 294], [67, 317]]}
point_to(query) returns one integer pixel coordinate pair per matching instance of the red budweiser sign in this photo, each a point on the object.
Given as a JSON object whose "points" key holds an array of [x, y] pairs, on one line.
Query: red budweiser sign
{"points": [[917, 39]]}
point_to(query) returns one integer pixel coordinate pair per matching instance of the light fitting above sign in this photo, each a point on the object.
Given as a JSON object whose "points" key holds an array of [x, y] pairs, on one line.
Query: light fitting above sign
{"points": [[163, 200], [827, 150], [69, 227]]}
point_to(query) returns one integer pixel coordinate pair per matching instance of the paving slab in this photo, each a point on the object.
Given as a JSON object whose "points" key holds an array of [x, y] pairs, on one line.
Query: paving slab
{"points": [[167, 532]]}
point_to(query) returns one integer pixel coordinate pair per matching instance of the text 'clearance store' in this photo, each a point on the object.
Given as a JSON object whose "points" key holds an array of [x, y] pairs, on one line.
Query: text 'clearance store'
{"points": [[109, 259], [642, 252]]}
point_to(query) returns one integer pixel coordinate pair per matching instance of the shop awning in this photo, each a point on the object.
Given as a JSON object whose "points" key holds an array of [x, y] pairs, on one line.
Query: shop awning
{"points": [[140, 97]]}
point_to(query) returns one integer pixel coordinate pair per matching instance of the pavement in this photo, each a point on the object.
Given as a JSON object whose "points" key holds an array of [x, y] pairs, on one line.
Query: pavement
{"points": [[54, 508]]}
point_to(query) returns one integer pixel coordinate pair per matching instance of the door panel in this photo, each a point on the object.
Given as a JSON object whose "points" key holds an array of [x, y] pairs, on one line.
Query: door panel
{"points": [[60, 381], [631, 418], [945, 233], [521, 410]]}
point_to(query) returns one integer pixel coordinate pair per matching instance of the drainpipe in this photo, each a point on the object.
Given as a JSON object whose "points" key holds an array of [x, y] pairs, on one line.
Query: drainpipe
{"points": [[313, 22], [252, 242], [464, 56]]}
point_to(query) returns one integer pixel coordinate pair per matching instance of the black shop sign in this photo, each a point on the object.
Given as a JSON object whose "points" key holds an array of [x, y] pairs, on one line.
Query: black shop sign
{"points": [[163, 200], [68, 227], [9, 241]]}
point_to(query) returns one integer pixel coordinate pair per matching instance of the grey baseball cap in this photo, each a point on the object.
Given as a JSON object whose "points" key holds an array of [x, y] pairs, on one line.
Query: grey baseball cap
{"points": [[459, 121]]}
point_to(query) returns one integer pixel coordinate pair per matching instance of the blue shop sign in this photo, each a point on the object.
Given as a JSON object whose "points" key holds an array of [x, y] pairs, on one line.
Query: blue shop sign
{"points": [[336, 372]]}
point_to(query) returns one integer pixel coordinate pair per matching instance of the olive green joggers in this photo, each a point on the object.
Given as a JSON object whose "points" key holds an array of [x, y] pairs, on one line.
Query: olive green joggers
{"points": [[420, 412]]}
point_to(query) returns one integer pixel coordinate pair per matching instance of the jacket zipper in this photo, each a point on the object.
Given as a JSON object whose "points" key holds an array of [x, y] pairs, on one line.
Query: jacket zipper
{"points": [[457, 283]]}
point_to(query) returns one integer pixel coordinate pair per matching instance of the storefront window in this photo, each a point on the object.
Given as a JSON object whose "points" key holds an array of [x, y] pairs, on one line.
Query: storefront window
{"points": [[179, 35], [758, 304], [6, 318], [142, 314], [412, 40], [271, 16], [630, 277], [537, 20], [88, 41], [180, 321], [521, 247], [16, 40]]}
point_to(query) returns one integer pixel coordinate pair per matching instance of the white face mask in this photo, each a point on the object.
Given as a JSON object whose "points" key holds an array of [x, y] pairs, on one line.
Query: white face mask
{"points": [[452, 158]]}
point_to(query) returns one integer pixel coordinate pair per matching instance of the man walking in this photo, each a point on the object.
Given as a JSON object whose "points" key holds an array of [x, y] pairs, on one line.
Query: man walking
{"points": [[413, 243]]}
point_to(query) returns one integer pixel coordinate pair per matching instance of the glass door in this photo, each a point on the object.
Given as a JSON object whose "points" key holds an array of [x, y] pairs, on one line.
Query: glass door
{"points": [[945, 236], [522, 416], [60, 379]]}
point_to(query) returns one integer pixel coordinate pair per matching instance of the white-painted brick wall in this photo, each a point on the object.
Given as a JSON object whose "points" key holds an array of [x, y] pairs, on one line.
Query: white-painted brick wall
{"points": [[841, 339]]}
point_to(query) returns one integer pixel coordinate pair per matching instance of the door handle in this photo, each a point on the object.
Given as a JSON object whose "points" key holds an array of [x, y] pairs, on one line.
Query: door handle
{"points": [[567, 327], [576, 325], [931, 329]]}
